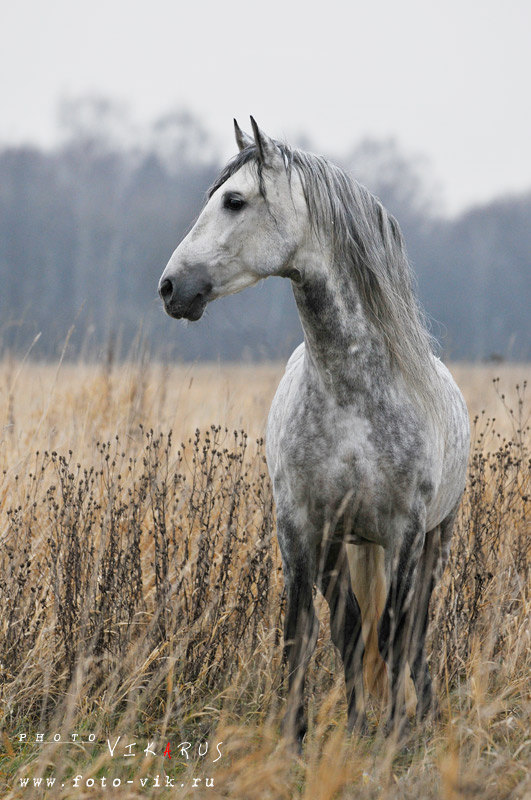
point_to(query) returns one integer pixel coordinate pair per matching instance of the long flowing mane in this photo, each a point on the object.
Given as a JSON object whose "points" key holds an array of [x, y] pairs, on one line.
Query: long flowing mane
{"points": [[367, 242]]}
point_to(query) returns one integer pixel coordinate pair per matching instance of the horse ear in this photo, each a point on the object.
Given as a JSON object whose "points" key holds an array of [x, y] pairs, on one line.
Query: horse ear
{"points": [[243, 140], [267, 149]]}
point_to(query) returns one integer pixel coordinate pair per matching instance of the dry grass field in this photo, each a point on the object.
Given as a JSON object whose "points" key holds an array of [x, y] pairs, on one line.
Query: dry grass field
{"points": [[141, 600]]}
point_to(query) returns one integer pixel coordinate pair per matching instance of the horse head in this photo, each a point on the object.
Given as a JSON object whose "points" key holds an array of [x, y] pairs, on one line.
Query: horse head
{"points": [[250, 228]]}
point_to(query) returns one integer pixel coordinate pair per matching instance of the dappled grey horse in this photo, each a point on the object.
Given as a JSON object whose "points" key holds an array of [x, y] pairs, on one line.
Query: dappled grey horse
{"points": [[368, 435]]}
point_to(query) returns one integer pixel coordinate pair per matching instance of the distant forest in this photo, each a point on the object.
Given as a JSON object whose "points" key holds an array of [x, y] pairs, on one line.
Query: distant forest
{"points": [[87, 228]]}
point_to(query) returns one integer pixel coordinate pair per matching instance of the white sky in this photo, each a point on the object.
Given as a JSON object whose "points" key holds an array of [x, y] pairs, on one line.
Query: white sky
{"points": [[450, 80]]}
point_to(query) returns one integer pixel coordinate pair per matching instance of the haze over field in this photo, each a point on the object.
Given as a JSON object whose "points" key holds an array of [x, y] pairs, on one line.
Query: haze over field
{"points": [[87, 228]]}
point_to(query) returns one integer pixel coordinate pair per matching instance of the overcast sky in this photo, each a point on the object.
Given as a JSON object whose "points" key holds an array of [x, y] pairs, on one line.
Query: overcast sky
{"points": [[448, 80]]}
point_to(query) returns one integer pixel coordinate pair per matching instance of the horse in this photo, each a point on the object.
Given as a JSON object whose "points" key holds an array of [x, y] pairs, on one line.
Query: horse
{"points": [[367, 438]]}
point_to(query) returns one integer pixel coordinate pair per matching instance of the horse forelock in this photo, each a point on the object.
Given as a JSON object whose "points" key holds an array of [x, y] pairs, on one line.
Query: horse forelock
{"points": [[368, 246], [247, 156]]}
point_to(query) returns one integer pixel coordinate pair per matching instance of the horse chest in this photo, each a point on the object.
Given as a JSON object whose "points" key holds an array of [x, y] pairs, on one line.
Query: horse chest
{"points": [[330, 466]]}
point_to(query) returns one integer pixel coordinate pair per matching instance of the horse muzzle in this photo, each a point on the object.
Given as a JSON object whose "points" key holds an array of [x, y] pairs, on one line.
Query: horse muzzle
{"points": [[185, 296]]}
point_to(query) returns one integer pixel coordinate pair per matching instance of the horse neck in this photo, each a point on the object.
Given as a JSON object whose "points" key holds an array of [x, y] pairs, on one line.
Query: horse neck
{"points": [[345, 350]]}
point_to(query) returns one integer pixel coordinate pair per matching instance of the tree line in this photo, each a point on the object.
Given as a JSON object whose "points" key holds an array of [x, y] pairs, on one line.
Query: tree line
{"points": [[87, 227]]}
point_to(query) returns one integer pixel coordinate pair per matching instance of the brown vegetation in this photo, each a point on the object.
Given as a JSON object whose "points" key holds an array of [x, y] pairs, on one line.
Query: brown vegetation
{"points": [[141, 596]]}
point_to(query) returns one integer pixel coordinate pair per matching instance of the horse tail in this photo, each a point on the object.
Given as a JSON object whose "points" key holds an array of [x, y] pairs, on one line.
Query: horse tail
{"points": [[369, 583], [367, 573]]}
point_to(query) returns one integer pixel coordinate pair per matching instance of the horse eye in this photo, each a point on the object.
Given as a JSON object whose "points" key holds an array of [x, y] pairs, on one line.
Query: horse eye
{"points": [[233, 202]]}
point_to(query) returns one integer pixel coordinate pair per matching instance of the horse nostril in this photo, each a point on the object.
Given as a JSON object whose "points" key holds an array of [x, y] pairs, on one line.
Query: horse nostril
{"points": [[166, 289]]}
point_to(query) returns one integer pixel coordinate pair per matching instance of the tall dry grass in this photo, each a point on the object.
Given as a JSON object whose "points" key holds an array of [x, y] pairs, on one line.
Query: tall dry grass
{"points": [[141, 597]]}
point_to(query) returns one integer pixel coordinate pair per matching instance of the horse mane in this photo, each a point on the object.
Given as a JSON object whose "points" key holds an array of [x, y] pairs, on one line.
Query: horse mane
{"points": [[368, 243]]}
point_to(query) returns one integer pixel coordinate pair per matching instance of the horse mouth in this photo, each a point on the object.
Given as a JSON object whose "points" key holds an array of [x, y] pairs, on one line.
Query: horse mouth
{"points": [[192, 312]]}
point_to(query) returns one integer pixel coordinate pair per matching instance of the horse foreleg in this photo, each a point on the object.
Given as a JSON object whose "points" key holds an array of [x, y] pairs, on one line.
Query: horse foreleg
{"points": [[345, 628], [431, 566], [395, 629], [300, 636]]}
